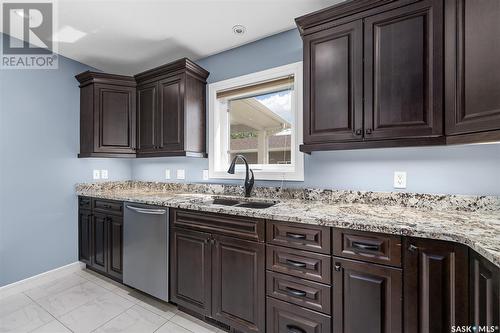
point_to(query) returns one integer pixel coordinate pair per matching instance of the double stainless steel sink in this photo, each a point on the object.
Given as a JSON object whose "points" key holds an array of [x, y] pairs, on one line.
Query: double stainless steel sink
{"points": [[233, 202]]}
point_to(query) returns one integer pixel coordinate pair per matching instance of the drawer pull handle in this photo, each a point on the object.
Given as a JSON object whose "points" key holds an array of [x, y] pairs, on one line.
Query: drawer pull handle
{"points": [[295, 263], [295, 236], [295, 292], [294, 329], [367, 247]]}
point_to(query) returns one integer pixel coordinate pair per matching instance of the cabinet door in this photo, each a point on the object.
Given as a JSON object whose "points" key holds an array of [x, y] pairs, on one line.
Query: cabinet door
{"points": [[147, 102], [171, 114], [472, 66], [238, 280], [484, 283], [435, 285], [372, 290], [84, 236], [114, 119], [403, 72], [115, 246], [190, 270], [333, 84], [100, 243]]}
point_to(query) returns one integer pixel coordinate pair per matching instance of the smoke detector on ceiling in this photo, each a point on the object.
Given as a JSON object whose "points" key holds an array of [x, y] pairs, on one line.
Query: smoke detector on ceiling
{"points": [[239, 29]]}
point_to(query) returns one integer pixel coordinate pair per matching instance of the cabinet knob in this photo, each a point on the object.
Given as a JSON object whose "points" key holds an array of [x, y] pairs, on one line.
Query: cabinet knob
{"points": [[338, 267], [368, 131], [412, 248], [359, 132]]}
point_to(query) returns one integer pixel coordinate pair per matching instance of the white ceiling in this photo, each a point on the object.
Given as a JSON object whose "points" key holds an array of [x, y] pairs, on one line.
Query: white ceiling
{"points": [[127, 36]]}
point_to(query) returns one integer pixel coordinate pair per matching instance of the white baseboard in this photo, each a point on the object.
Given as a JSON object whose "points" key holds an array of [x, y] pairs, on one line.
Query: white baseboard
{"points": [[31, 282]]}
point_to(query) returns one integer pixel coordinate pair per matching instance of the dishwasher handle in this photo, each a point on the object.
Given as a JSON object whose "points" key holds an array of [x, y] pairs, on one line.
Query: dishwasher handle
{"points": [[147, 210]]}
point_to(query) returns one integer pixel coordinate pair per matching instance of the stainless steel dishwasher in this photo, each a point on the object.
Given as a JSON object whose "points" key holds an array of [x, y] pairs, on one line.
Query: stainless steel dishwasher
{"points": [[145, 249]]}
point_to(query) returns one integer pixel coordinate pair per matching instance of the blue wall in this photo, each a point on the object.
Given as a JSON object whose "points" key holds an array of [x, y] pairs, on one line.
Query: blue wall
{"points": [[469, 169], [39, 140]]}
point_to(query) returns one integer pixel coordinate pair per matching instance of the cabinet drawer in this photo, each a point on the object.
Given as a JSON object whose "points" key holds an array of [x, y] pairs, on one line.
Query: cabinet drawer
{"points": [[107, 206], [299, 236], [283, 317], [372, 247], [312, 295], [85, 203], [303, 264], [236, 226]]}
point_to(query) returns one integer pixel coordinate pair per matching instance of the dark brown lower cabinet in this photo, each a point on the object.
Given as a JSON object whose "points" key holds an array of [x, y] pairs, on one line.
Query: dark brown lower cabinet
{"points": [[220, 277], [190, 273], [366, 297], [84, 235], [99, 258], [283, 317], [238, 283], [435, 285], [484, 281], [100, 238]]}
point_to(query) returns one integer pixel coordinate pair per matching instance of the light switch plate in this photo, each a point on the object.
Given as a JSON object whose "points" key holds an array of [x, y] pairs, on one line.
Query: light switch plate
{"points": [[104, 174], [399, 179], [181, 174], [205, 174], [167, 173], [96, 174]]}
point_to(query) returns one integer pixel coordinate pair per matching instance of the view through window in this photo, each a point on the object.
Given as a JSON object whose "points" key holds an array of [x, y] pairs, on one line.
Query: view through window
{"points": [[261, 125]]}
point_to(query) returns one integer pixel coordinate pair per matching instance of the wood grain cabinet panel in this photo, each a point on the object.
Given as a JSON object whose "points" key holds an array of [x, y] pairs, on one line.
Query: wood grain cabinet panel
{"points": [[171, 114], [99, 259], [191, 270], [238, 283], [366, 297], [484, 293], [303, 264], [403, 72], [107, 115], [472, 75], [115, 246], [147, 117], [283, 317], [435, 285], [367, 246], [85, 236], [299, 236], [333, 86]]}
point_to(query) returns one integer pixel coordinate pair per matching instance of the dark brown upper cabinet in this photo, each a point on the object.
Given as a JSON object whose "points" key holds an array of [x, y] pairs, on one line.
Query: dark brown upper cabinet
{"points": [[334, 85], [107, 115], [472, 70], [403, 73], [435, 285], [171, 110]]}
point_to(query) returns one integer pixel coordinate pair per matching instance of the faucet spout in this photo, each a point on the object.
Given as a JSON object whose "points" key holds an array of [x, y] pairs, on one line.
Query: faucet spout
{"points": [[249, 176]]}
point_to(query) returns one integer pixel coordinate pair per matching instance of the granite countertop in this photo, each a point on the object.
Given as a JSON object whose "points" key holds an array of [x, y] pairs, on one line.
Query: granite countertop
{"points": [[473, 221]]}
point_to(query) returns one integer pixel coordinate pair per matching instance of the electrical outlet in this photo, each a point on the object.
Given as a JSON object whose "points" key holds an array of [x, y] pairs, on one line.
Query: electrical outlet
{"points": [[181, 174], [104, 174], [399, 179], [205, 174], [96, 174], [167, 173]]}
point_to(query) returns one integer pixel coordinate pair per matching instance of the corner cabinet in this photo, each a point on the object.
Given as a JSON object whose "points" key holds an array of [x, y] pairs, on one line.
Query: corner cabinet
{"points": [[100, 236], [107, 115], [171, 113], [435, 285], [160, 112]]}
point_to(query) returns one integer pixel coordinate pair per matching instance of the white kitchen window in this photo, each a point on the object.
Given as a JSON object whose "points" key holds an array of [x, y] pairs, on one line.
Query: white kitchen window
{"points": [[258, 116]]}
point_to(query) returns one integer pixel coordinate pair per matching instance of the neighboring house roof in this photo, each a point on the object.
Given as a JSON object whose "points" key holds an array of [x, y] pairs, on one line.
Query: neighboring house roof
{"points": [[275, 141]]}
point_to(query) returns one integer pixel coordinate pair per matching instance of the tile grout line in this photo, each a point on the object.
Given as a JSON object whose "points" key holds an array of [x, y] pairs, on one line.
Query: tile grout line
{"points": [[50, 314]]}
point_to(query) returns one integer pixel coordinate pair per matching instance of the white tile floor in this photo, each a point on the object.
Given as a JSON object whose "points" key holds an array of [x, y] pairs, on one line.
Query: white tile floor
{"points": [[87, 302]]}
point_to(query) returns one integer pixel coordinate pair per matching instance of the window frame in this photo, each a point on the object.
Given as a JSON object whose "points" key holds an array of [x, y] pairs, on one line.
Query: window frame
{"points": [[218, 127]]}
